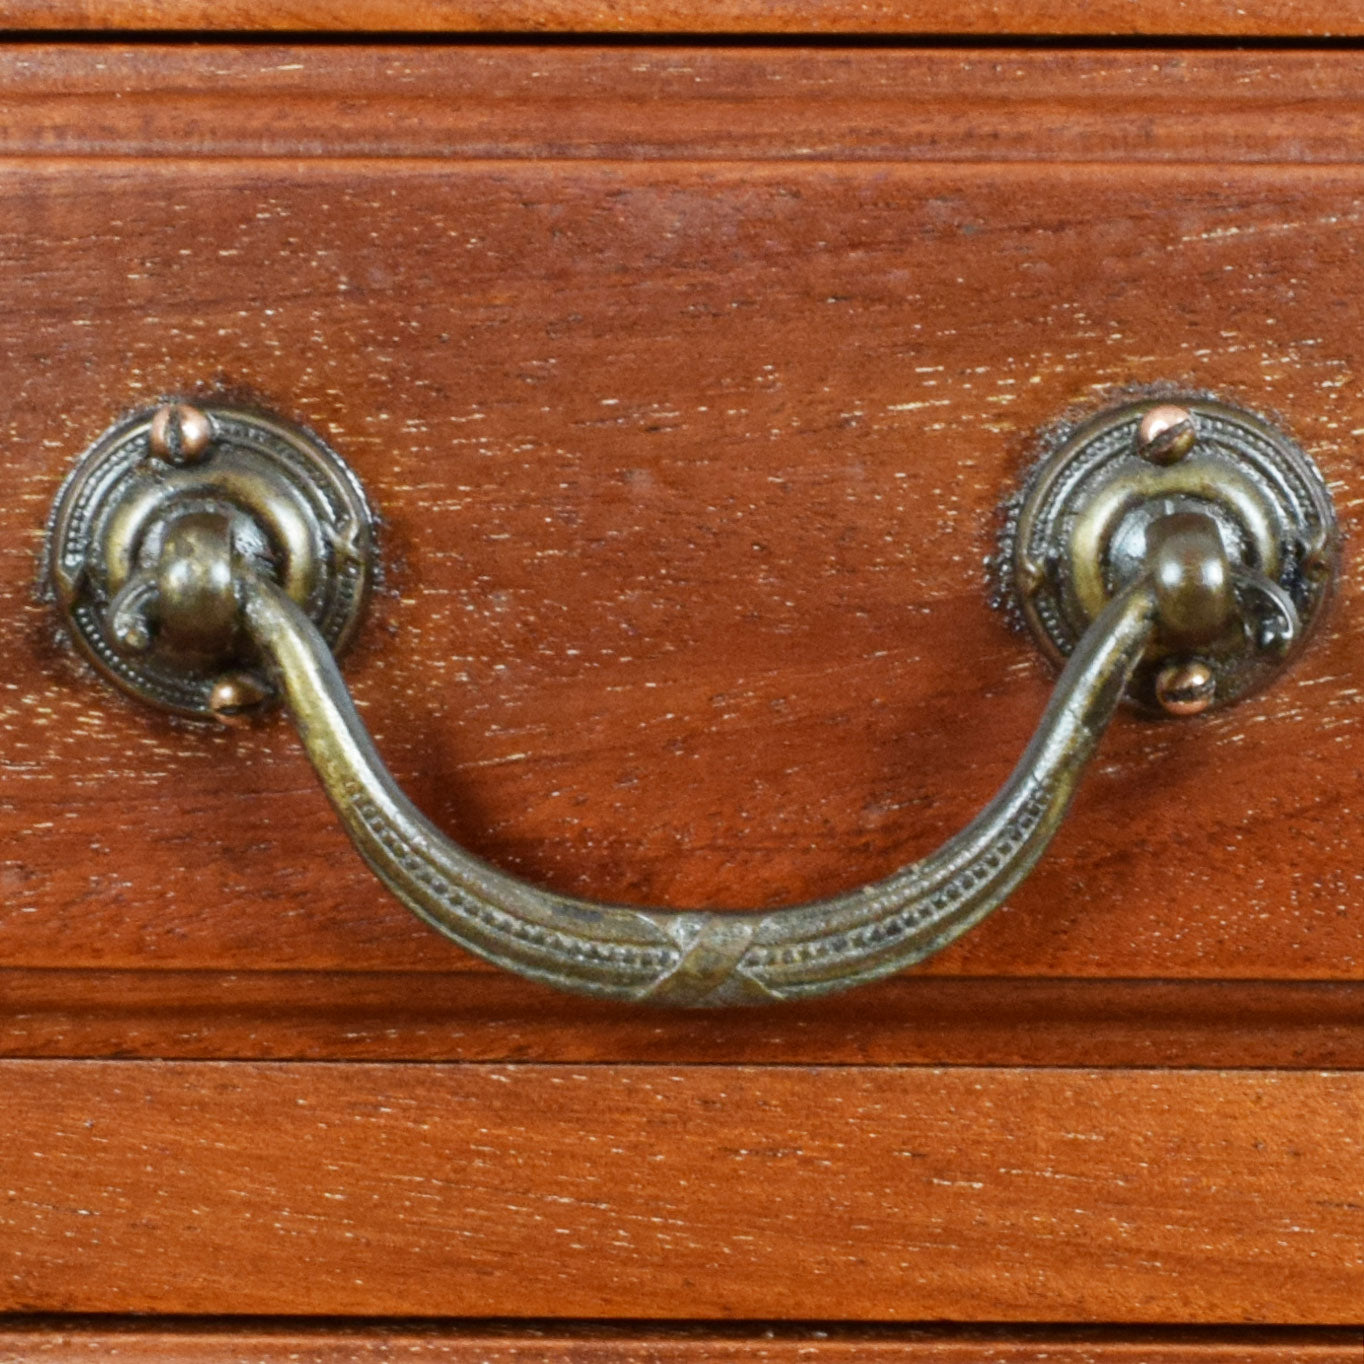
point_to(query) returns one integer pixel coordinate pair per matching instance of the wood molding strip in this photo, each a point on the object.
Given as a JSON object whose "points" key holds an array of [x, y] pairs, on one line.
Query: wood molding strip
{"points": [[1276, 18], [690, 103], [55, 1340], [484, 1016]]}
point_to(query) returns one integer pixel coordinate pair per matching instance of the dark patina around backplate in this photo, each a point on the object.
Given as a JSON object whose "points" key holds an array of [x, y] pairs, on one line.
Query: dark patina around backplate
{"points": [[131, 548], [1079, 533]]}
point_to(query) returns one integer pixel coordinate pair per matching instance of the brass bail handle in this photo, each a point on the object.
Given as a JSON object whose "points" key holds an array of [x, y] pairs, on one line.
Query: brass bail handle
{"points": [[211, 560]]}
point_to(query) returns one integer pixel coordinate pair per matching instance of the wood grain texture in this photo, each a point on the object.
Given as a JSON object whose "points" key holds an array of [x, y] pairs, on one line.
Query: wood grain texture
{"points": [[1226, 18], [688, 469], [490, 1016], [685, 600], [696, 103], [58, 1340], [710, 1192]]}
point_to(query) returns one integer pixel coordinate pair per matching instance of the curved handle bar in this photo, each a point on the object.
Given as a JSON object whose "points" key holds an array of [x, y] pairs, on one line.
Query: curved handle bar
{"points": [[693, 958], [190, 547]]}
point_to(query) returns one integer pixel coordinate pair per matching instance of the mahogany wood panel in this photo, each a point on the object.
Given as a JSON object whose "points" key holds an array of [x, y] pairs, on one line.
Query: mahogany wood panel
{"points": [[490, 1016], [687, 490], [56, 1340], [1277, 18], [688, 468], [709, 1192], [496, 103]]}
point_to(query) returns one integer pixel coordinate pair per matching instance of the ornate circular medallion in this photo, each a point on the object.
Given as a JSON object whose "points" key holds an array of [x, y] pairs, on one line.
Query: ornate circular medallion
{"points": [[164, 627], [1085, 523]]}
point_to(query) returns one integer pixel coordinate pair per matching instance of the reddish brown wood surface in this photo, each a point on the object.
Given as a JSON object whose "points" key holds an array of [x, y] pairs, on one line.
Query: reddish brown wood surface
{"points": [[489, 1016], [55, 1341], [716, 103], [708, 1192], [689, 453], [1278, 18]]}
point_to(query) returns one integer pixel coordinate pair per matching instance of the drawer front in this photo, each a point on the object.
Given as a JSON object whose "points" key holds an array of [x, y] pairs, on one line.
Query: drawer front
{"points": [[689, 384], [720, 1192], [688, 421]]}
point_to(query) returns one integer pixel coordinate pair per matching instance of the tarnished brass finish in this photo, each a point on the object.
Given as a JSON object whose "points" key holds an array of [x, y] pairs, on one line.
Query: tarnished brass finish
{"points": [[1230, 516], [154, 526], [700, 958], [1189, 569], [193, 574], [180, 433], [1166, 434], [236, 698], [1186, 688]]}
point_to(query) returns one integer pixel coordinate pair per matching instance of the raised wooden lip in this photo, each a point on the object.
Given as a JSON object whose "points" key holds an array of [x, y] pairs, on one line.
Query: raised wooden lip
{"points": [[444, 104], [207, 1341], [484, 1016], [898, 18]]}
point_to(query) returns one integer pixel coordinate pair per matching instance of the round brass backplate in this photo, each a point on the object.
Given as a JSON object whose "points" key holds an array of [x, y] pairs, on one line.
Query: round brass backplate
{"points": [[1077, 534], [185, 473]]}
